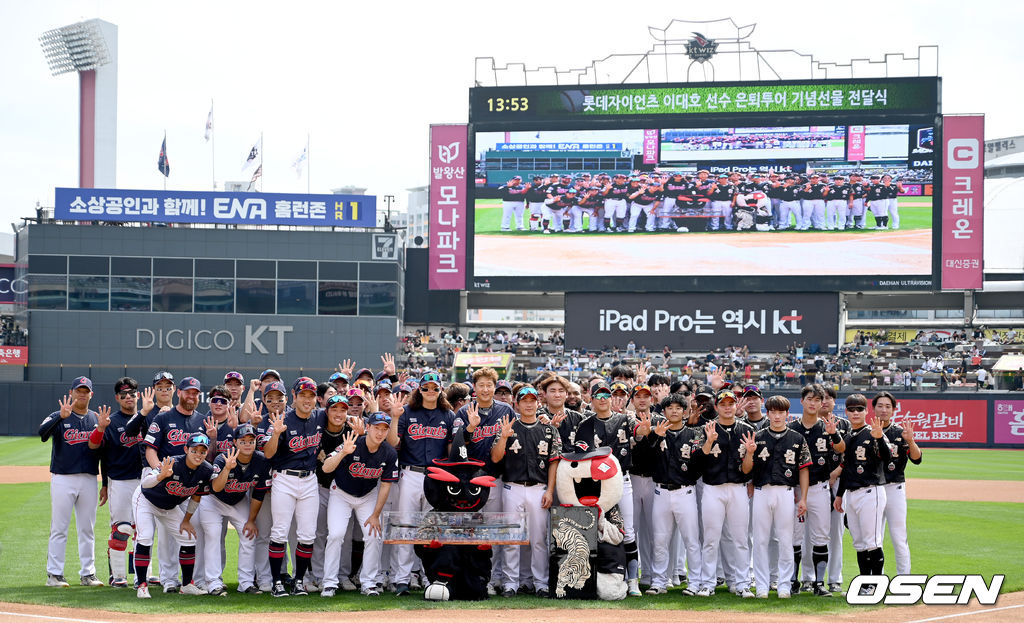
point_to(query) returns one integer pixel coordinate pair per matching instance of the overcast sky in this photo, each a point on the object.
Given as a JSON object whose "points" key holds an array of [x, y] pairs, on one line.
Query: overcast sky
{"points": [[365, 80]]}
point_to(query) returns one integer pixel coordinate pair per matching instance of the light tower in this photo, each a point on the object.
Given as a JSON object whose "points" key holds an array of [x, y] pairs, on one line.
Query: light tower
{"points": [[90, 48]]}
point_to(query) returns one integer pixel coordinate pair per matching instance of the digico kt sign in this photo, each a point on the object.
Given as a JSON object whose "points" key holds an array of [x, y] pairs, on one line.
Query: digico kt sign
{"points": [[223, 339]]}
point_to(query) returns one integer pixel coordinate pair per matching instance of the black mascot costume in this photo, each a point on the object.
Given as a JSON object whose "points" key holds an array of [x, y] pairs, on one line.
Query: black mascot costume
{"points": [[457, 572]]}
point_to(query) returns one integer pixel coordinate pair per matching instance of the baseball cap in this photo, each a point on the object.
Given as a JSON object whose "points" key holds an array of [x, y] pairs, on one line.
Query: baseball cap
{"points": [[338, 376], [430, 377], [517, 177], [600, 388], [382, 375], [402, 388], [618, 387], [526, 391], [723, 394], [163, 376], [642, 387], [245, 429], [234, 375], [751, 390], [81, 381], [378, 417], [382, 387], [190, 382], [570, 191], [270, 372], [355, 392], [198, 439], [304, 383], [276, 386], [361, 371], [335, 399], [503, 384]]}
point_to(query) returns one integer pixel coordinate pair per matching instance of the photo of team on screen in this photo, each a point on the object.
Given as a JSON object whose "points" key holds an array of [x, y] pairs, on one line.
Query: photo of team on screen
{"points": [[683, 202]]}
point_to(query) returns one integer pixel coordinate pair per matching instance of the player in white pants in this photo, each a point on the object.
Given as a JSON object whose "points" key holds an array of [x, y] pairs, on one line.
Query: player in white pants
{"points": [[368, 467], [513, 204], [904, 448], [861, 486], [615, 210], [837, 211]]}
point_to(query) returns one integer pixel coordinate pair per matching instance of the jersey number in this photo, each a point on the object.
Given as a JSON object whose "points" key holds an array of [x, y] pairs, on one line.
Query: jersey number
{"points": [[764, 454], [715, 450], [862, 453], [820, 444], [515, 447]]}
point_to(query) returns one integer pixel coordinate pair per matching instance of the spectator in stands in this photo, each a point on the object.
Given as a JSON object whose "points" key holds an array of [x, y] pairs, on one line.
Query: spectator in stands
{"points": [[982, 381]]}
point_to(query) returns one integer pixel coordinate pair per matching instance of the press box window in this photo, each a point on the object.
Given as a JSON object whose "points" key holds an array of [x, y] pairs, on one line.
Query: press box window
{"points": [[254, 296], [88, 265], [378, 299], [172, 294], [47, 292], [215, 296], [338, 298], [48, 264], [130, 293], [296, 297], [88, 293]]}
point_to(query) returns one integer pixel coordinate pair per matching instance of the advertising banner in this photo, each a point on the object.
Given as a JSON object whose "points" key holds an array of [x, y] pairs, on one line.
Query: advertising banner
{"points": [[943, 421], [1009, 421], [448, 201], [763, 322], [183, 206], [963, 198], [14, 355]]}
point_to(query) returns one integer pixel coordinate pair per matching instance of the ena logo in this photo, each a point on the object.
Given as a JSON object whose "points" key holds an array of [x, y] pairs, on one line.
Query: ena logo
{"points": [[910, 589]]}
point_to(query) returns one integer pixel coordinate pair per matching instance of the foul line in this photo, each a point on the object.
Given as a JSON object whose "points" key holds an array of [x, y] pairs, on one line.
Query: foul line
{"points": [[966, 614], [49, 618]]}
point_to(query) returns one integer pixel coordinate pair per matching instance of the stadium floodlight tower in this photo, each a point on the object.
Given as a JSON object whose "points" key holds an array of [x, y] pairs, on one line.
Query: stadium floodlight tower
{"points": [[90, 48]]}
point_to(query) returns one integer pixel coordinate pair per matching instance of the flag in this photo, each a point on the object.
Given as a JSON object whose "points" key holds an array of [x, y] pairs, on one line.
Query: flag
{"points": [[300, 162], [162, 163], [255, 155], [255, 176], [209, 124]]}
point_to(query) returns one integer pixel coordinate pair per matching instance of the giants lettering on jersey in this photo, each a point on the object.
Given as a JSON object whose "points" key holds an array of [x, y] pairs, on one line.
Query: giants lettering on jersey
{"points": [[419, 431], [74, 436], [177, 437], [127, 441], [360, 470], [483, 432], [225, 444], [298, 444], [234, 486], [179, 490]]}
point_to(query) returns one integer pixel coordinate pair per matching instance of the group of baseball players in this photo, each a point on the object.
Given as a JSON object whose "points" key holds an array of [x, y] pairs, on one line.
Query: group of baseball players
{"points": [[681, 202], [721, 486]]}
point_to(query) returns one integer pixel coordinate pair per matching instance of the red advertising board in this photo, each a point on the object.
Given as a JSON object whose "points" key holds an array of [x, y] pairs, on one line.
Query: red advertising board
{"points": [[14, 355], [944, 421], [963, 194], [448, 200]]}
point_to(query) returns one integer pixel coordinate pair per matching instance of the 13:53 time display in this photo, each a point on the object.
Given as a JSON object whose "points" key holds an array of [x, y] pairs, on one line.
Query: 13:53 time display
{"points": [[508, 104]]}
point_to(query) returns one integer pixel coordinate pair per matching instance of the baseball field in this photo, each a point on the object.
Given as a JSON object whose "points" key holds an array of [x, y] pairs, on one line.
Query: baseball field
{"points": [[965, 515], [906, 251]]}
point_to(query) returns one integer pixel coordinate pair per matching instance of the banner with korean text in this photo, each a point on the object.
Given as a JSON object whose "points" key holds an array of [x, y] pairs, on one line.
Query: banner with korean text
{"points": [[448, 201], [943, 421], [239, 208], [963, 196]]}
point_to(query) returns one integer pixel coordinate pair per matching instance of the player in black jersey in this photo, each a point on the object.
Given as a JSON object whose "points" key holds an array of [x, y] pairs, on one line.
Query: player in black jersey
{"points": [[840, 200], [536, 193], [862, 486], [904, 448], [527, 452], [780, 478]]}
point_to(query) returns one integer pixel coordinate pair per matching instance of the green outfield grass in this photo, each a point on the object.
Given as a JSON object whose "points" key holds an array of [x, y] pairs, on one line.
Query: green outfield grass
{"points": [[945, 537], [24, 451], [956, 464], [488, 218]]}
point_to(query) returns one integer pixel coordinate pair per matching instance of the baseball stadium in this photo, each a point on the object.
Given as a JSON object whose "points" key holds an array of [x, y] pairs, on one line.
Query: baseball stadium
{"points": [[705, 332]]}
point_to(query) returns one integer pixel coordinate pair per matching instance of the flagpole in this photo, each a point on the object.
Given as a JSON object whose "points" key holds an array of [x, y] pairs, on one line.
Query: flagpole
{"points": [[308, 170], [262, 149], [165, 157], [213, 148]]}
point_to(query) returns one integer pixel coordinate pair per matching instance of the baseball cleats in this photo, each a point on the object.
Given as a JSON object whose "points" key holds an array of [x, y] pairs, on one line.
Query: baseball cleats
{"points": [[820, 590], [783, 595], [56, 580], [761, 595], [278, 589], [171, 588], [347, 584], [689, 592], [492, 590], [91, 580], [312, 586], [508, 592], [252, 590], [299, 589], [542, 592], [745, 593], [219, 591], [401, 590], [119, 583], [370, 592], [143, 592], [656, 590], [634, 589], [835, 587], [192, 589], [705, 592], [327, 591], [414, 583]]}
